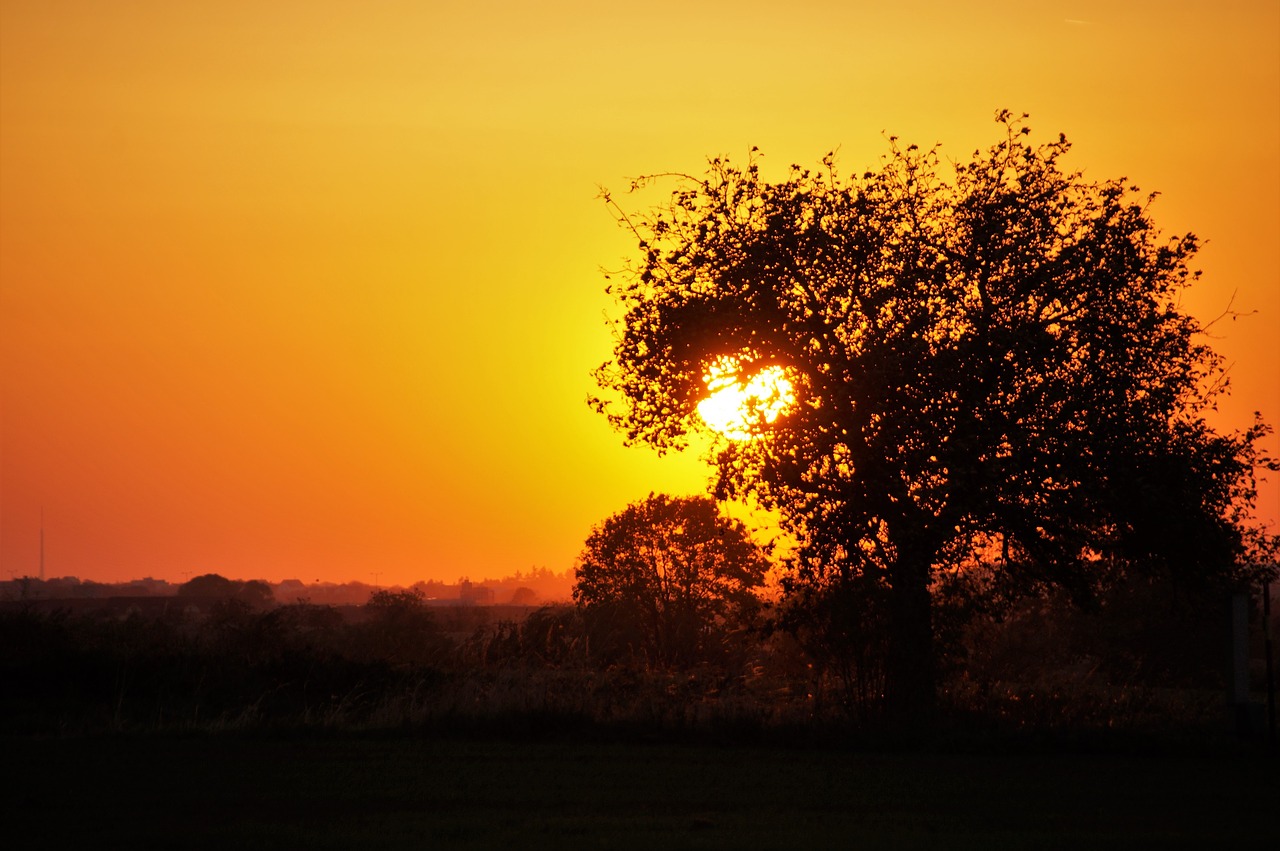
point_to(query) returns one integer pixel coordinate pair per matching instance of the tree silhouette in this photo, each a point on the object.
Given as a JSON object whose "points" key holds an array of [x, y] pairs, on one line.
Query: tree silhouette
{"points": [[254, 593], [208, 585], [400, 629], [994, 364], [658, 579]]}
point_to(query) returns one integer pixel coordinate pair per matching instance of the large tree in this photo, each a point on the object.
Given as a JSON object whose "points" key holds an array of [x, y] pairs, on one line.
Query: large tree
{"points": [[996, 361], [661, 578]]}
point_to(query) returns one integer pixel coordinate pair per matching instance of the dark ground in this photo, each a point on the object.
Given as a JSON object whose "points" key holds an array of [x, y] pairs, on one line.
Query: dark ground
{"points": [[405, 791]]}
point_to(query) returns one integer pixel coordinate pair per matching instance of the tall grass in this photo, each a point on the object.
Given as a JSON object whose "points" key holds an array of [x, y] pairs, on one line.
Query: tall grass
{"points": [[306, 667]]}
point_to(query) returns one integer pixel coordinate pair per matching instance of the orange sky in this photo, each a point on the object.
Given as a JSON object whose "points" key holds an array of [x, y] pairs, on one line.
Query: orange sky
{"points": [[311, 289]]}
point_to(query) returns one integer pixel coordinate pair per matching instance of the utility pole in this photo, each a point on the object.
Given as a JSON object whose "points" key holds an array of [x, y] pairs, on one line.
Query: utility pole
{"points": [[42, 543]]}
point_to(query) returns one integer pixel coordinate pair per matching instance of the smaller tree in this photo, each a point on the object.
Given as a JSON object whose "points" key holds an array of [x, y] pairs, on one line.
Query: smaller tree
{"points": [[402, 630], [253, 594], [660, 579], [208, 585], [256, 593]]}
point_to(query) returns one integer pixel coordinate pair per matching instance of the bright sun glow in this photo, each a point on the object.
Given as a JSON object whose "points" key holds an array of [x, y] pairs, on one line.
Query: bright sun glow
{"points": [[737, 410]]}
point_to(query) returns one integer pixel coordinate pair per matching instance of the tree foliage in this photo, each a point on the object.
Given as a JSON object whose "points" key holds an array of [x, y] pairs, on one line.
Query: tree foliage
{"points": [[254, 593], [401, 629], [991, 363], [665, 575]]}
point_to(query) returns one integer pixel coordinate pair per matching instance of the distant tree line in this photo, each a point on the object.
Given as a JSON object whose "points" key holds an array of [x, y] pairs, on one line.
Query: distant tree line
{"points": [[523, 588]]}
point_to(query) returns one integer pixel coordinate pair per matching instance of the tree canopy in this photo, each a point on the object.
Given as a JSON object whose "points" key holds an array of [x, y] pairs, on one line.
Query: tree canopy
{"points": [[665, 573], [996, 363], [254, 592]]}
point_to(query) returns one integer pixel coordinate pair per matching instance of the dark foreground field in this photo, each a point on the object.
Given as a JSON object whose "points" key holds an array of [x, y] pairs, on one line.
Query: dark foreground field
{"points": [[407, 792]]}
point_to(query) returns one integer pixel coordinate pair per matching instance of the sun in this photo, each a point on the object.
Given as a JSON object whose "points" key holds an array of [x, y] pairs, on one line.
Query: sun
{"points": [[738, 409]]}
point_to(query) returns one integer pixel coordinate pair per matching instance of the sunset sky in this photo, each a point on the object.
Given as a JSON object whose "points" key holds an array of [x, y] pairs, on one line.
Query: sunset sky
{"points": [[312, 289]]}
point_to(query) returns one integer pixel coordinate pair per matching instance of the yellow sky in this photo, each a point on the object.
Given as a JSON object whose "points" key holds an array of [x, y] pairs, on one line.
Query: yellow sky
{"points": [[311, 288]]}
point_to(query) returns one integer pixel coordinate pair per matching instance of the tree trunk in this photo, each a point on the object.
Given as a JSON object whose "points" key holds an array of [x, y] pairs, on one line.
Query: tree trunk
{"points": [[910, 667]]}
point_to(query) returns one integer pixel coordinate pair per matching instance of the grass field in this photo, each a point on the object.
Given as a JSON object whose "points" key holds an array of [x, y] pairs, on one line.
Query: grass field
{"points": [[414, 792]]}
